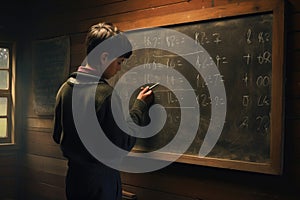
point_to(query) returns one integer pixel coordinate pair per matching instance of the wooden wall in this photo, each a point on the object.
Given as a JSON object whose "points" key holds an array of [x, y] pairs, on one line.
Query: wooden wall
{"points": [[293, 94], [10, 155], [43, 165]]}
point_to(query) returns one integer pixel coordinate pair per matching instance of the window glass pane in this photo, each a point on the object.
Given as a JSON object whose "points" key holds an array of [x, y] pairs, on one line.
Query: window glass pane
{"points": [[3, 127], [4, 58], [4, 79], [3, 106]]}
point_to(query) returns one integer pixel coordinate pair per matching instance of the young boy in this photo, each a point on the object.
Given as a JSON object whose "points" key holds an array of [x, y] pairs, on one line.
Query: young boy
{"points": [[87, 178]]}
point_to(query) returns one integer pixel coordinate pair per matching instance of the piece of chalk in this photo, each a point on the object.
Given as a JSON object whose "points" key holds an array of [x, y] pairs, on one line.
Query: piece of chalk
{"points": [[153, 86]]}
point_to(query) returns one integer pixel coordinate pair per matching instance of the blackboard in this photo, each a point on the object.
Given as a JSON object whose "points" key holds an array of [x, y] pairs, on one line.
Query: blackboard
{"points": [[249, 67], [242, 51], [51, 59]]}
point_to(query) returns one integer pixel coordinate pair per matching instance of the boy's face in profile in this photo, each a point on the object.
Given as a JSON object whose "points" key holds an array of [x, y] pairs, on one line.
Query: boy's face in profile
{"points": [[113, 68]]}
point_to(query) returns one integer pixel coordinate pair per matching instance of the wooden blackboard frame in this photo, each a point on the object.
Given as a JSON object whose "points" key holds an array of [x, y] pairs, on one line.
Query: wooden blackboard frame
{"points": [[276, 8]]}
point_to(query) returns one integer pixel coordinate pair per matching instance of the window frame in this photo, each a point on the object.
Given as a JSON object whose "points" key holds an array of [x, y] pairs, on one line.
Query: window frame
{"points": [[9, 94]]}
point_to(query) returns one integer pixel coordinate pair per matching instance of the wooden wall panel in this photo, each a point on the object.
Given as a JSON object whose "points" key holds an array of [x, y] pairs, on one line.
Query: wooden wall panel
{"points": [[78, 50], [293, 85], [41, 144], [39, 191], [44, 177], [9, 173], [46, 164], [9, 189], [82, 26], [61, 6], [36, 123], [293, 41], [184, 180], [44, 185], [294, 23], [292, 150], [45, 167], [295, 5], [293, 134], [81, 14], [147, 194], [293, 63], [10, 178]]}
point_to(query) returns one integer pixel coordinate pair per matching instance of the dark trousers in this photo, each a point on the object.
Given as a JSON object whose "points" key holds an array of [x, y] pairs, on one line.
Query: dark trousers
{"points": [[92, 182]]}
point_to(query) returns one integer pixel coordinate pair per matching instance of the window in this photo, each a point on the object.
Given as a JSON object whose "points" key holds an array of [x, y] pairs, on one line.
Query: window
{"points": [[6, 93]]}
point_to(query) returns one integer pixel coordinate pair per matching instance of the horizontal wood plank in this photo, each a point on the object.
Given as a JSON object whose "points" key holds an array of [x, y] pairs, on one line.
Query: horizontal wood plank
{"points": [[293, 41], [38, 190], [80, 4], [40, 137], [46, 164], [78, 43], [293, 130], [11, 171], [9, 174], [293, 64], [182, 186], [42, 144], [77, 60], [294, 24], [45, 177], [78, 50], [295, 5], [293, 85], [293, 108], [108, 10], [79, 27], [8, 159], [146, 194], [8, 188], [295, 177], [40, 123], [241, 8]]}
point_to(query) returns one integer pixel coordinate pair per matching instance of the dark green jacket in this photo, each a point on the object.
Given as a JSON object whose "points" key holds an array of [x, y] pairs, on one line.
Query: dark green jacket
{"points": [[65, 132]]}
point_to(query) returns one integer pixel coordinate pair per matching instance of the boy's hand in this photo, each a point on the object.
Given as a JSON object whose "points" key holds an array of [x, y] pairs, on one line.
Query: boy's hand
{"points": [[146, 95]]}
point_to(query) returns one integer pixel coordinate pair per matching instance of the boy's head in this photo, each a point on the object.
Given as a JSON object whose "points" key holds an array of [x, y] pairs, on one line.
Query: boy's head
{"points": [[106, 38]]}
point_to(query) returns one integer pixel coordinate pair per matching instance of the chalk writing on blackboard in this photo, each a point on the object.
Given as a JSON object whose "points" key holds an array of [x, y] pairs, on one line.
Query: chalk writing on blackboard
{"points": [[241, 48]]}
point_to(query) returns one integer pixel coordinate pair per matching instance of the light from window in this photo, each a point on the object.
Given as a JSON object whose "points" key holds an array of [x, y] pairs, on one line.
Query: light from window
{"points": [[3, 79], [3, 128], [5, 95], [4, 58], [3, 117]]}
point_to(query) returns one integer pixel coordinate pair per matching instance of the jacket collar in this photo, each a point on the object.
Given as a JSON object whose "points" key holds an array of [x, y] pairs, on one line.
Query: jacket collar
{"points": [[85, 78]]}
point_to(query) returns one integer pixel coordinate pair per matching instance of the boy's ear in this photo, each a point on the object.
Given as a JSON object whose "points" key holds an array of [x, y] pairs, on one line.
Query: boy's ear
{"points": [[104, 58]]}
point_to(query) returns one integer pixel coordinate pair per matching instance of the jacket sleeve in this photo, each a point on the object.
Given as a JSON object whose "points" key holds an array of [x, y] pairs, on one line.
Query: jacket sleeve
{"points": [[139, 112], [57, 127], [112, 130]]}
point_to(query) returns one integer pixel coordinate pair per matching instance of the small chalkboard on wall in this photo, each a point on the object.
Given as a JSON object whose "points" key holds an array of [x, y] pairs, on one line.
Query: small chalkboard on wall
{"points": [[51, 58], [234, 90]]}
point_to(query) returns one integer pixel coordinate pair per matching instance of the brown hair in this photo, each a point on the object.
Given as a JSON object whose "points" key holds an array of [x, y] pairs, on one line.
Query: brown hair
{"points": [[112, 40]]}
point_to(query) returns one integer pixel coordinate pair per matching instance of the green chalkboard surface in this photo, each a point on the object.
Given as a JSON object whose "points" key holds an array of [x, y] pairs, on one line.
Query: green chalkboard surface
{"points": [[51, 60]]}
